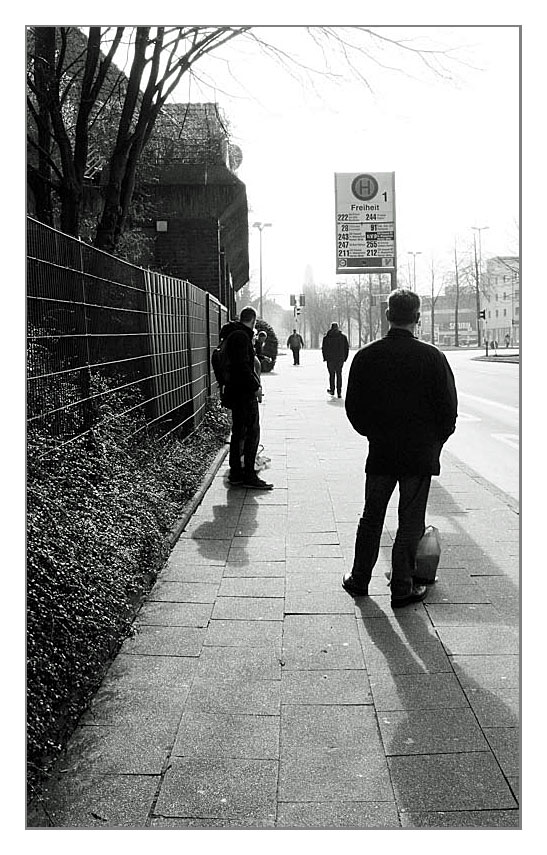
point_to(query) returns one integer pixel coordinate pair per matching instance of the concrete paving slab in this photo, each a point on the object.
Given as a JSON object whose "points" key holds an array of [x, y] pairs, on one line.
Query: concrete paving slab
{"points": [[174, 614], [208, 552], [219, 788], [243, 822], [447, 592], [311, 550], [341, 815], [102, 801], [244, 633], [450, 782], [339, 775], [311, 602], [117, 750], [430, 731], [248, 608], [165, 641], [255, 569], [477, 640], [459, 819], [417, 692], [505, 745], [183, 592], [225, 735], [324, 728], [156, 708], [325, 687], [322, 583], [463, 614], [233, 586], [495, 707], [236, 695], [399, 659], [200, 573], [238, 663], [249, 554], [321, 642], [487, 671], [152, 671], [312, 567]]}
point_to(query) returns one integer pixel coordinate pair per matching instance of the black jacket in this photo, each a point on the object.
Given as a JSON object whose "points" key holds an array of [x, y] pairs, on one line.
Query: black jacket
{"points": [[241, 381], [335, 347], [401, 395]]}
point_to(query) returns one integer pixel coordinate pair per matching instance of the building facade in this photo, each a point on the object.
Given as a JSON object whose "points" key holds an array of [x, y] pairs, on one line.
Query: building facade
{"points": [[502, 300]]}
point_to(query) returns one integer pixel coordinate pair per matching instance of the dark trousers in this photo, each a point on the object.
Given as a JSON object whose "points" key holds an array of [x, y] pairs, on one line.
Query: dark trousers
{"points": [[296, 355], [413, 495], [334, 368], [245, 435]]}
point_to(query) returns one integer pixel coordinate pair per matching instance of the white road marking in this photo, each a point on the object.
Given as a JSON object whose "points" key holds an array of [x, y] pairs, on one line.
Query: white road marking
{"points": [[511, 439], [489, 402]]}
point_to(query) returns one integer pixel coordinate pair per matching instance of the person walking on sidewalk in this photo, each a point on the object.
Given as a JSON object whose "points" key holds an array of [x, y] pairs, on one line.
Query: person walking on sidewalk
{"points": [[401, 395], [335, 350], [241, 395], [296, 343]]}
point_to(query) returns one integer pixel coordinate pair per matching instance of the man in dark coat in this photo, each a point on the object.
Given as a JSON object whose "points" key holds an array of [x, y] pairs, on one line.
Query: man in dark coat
{"points": [[335, 350], [401, 395], [296, 343], [241, 394]]}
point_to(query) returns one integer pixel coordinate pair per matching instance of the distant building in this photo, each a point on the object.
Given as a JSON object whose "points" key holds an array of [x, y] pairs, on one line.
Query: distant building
{"points": [[445, 320], [502, 299]]}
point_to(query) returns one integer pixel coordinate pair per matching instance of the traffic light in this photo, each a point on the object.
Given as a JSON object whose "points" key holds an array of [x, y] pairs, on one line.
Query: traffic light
{"points": [[302, 299], [293, 300], [296, 311], [482, 314]]}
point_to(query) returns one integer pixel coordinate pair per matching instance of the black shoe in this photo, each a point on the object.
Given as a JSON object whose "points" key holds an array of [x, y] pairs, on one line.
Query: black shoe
{"points": [[330, 391], [339, 394], [257, 483], [235, 478], [418, 581], [417, 594], [353, 587]]}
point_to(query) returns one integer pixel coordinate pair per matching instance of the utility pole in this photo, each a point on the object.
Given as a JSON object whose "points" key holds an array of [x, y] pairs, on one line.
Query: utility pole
{"points": [[260, 227], [414, 254], [478, 265], [457, 306]]}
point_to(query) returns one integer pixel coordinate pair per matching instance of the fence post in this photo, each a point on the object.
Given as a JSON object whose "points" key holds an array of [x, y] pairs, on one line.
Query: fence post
{"points": [[208, 328]]}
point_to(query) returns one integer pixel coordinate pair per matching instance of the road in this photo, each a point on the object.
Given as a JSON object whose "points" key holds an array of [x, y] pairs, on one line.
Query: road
{"points": [[487, 433]]}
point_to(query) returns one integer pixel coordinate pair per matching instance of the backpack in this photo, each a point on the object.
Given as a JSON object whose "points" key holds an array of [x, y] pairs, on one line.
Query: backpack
{"points": [[219, 363]]}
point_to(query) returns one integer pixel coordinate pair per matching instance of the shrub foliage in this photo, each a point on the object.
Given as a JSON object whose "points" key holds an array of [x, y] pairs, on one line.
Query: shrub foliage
{"points": [[98, 511]]}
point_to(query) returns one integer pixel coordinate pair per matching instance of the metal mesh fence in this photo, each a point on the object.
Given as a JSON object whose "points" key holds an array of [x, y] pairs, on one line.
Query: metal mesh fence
{"points": [[92, 317]]}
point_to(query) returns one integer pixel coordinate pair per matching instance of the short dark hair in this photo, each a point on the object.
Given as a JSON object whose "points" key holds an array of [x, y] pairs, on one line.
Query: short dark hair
{"points": [[247, 314], [403, 306]]}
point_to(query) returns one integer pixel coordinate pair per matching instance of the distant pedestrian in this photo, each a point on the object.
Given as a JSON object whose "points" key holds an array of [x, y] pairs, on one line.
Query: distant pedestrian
{"points": [[507, 339], [335, 350], [401, 395], [296, 343], [241, 394]]}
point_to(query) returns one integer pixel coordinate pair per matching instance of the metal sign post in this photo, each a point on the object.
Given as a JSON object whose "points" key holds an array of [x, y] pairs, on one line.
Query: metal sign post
{"points": [[365, 223]]}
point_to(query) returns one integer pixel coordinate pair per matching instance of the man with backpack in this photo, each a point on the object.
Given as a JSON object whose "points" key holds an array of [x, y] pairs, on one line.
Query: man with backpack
{"points": [[240, 390]]}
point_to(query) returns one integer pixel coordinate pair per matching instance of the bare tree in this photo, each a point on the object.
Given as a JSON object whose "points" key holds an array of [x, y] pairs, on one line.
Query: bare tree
{"points": [[71, 83]]}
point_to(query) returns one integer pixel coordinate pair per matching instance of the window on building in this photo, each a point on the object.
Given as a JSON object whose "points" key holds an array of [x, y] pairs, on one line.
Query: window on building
{"points": [[505, 295], [517, 310], [497, 313], [489, 314], [505, 313]]}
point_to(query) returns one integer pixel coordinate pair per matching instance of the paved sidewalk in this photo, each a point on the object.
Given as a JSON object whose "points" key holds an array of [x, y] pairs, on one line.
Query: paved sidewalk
{"points": [[257, 693]]}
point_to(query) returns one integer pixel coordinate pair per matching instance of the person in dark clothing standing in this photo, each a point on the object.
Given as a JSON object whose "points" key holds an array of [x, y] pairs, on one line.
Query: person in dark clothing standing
{"points": [[296, 343], [335, 350], [401, 395], [241, 394]]}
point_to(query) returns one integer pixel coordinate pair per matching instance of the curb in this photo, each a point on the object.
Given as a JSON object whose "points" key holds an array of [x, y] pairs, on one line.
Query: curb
{"points": [[196, 500], [512, 503]]}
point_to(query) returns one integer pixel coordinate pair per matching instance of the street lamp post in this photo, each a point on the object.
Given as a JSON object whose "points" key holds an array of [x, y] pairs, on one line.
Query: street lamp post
{"points": [[478, 275], [260, 227], [414, 254]]}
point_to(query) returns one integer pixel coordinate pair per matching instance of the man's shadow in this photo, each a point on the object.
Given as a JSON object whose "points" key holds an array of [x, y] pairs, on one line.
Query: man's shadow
{"points": [[233, 520]]}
